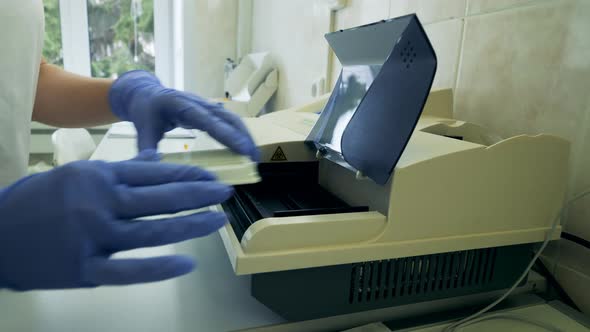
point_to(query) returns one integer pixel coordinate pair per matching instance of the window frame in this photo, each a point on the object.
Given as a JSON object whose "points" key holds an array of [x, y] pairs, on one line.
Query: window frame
{"points": [[74, 36], [168, 36]]}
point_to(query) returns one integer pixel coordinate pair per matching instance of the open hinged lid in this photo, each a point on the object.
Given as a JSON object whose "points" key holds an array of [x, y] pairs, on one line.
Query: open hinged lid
{"points": [[387, 72]]}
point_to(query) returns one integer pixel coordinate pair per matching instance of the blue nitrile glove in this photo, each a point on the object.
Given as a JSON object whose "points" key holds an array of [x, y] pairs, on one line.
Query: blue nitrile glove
{"points": [[58, 229], [138, 96]]}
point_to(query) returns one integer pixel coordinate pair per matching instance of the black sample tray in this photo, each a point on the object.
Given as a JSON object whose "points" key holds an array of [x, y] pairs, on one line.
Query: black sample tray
{"points": [[287, 189]]}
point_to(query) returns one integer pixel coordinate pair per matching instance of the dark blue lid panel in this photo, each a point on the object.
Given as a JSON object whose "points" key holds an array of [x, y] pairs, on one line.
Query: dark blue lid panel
{"points": [[353, 85], [381, 127], [387, 73]]}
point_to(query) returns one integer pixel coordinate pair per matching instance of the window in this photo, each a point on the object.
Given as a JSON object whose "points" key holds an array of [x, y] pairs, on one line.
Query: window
{"points": [[121, 36], [53, 51], [104, 38]]}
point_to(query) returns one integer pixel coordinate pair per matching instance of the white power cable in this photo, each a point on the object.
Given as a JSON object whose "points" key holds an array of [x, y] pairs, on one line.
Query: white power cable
{"points": [[470, 319]]}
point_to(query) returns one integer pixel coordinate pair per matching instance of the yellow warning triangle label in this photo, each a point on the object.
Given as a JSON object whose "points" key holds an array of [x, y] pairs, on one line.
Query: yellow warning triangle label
{"points": [[279, 155]]}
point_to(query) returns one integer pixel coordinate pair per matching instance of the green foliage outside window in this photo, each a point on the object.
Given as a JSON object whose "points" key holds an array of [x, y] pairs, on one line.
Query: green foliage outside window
{"points": [[113, 41], [112, 33], [52, 50]]}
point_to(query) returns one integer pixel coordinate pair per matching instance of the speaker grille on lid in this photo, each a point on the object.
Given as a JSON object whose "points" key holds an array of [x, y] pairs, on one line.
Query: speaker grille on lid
{"points": [[408, 54]]}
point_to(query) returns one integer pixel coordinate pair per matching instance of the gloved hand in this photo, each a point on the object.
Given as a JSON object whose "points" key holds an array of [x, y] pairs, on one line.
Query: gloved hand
{"points": [[58, 229], [138, 96]]}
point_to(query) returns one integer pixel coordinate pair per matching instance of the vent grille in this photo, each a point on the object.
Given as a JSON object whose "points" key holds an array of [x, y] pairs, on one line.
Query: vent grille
{"points": [[421, 275], [408, 54]]}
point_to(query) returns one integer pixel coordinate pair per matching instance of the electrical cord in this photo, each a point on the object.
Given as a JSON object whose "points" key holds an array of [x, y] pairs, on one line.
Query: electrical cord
{"points": [[474, 318]]}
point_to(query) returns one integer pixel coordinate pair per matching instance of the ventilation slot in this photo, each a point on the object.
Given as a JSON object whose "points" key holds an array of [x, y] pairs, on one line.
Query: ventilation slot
{"points": [[408, 54], [387, 280]]}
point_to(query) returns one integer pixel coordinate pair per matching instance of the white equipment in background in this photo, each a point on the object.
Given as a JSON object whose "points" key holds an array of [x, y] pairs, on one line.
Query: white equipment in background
{"points": [[251, 84], [71, 145]]}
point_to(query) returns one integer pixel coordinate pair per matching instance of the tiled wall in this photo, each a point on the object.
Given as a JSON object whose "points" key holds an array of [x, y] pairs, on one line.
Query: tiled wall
{"points": [[213, 39], [517, 66], [520, 67], [293, 32]]}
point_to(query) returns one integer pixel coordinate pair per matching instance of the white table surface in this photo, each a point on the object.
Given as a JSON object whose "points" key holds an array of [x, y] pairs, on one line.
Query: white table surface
{"points": [[210, 299]]}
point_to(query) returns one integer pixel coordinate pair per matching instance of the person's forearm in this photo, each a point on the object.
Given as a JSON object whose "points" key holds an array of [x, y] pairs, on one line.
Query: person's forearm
{"points": [[72, 101]]}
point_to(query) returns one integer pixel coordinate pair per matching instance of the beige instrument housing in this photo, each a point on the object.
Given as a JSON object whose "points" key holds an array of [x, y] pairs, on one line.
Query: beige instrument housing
{"points": [[445, 194]]}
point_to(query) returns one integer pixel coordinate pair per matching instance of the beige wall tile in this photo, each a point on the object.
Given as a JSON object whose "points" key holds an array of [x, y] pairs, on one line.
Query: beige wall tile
{"points": [[482, 6], [579, 215], [213, 41], [446, 37], [428, 10], [359, 12], [294, 32], [522, 70]]}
